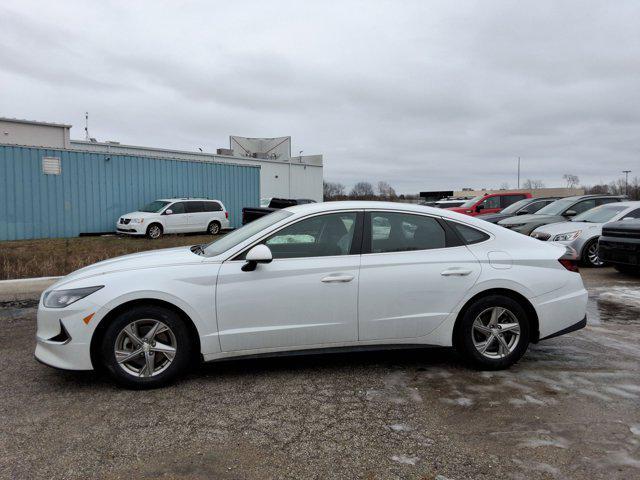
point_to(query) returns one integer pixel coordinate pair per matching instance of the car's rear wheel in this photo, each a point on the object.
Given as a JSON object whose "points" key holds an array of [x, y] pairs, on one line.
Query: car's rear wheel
{"points": [[590, 256], [146, 347], [154, 231], [214, 228], [493, 332]]}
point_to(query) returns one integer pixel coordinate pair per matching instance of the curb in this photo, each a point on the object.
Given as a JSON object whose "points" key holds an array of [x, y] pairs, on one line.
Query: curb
{"points": [[24, 288]]}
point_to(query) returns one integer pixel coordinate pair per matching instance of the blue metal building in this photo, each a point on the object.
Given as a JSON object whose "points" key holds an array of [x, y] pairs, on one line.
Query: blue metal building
{"points": [[52, 193]]}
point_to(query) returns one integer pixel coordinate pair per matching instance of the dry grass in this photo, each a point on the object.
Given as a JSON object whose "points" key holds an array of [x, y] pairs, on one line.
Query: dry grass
{"points": [[60, 256]]}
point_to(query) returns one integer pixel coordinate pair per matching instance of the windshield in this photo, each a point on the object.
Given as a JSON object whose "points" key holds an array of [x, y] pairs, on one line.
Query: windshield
{"points": [[154, 207], [557, 207], [514, 207], [472, 202], [238, 236], [601, 214]]}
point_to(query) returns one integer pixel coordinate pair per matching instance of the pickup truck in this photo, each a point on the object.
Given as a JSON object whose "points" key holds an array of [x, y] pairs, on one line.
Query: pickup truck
{"points": [[619, 245], [249, 214]]}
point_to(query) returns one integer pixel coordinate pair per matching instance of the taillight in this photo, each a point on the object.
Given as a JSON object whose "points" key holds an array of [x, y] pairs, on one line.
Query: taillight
{"points": [[226, 215], [571, 265], [570, 260]]}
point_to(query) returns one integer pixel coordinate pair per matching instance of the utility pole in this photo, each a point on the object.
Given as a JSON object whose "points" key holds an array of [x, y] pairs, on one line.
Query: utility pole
{"points": [[518, 172], [86, 126], [626, 181]]}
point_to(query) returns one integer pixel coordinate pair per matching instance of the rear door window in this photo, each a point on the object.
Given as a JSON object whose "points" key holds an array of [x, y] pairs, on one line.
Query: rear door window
{"points": [[194, 207], [604, 201], [402, 232], [507, 200], [469, 234], [583, 206], [212, 207]]}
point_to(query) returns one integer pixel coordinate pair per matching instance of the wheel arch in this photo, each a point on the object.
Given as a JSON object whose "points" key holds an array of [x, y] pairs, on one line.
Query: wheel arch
{"points": [[532, 315], [117, 310]]}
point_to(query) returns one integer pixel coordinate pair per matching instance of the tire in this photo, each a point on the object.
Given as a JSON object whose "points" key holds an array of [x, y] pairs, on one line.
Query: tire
{"points": [[213, 228], [154, 231], [475, 330], [165, 353], [589, 256], [628, 269]]}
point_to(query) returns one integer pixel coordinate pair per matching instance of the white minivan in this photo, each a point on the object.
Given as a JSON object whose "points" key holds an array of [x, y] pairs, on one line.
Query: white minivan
{"points": [[175, 215]]}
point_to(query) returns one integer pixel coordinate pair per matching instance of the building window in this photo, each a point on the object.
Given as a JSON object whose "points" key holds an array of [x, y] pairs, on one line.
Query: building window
{"points": [[51, 166]]}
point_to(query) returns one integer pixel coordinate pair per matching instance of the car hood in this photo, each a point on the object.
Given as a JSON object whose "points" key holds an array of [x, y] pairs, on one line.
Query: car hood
{"points": [[154, 258], [566, 227], [138, 215], [542, 219]]}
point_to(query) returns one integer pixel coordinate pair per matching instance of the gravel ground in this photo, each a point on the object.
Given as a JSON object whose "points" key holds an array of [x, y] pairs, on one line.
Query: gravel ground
{"points": [[569, 409]]}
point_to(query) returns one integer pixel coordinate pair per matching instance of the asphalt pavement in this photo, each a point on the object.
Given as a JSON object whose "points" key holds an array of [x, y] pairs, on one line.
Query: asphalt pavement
{"points": [[569, 409]]}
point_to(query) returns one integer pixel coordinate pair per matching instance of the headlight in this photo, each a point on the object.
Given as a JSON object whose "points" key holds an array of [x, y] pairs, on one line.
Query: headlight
{"points": [[563, 237], [137, 220], [64, 298]]}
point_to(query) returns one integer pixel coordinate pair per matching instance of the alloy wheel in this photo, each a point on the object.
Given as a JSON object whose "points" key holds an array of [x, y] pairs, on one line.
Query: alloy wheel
{"points": [[496, 332], [145, 348], [214, 228], [154, 231], [593, 256]]}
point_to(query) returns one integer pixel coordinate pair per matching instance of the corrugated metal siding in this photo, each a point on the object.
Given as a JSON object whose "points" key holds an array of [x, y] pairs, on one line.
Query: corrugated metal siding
{"points": [[94, 189]]}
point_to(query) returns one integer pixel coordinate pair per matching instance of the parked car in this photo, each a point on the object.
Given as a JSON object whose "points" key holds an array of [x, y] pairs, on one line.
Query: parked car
{"points": [[449, 202], [558, 211], [525, 206], [489, 203], [619, 245], [309, 277], [249, 214], [582, 231], [175, 215]]}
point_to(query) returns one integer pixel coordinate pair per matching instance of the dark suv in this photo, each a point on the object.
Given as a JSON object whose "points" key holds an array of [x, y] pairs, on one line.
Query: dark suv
{"points": [[558, 211], [619, 245]]}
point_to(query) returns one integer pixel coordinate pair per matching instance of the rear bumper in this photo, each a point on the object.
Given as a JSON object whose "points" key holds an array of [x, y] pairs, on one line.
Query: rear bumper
{"points": [[571, 328]]}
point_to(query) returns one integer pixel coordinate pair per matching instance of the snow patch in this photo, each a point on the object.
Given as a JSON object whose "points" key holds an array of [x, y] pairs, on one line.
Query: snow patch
{"points": [[405, 460]]}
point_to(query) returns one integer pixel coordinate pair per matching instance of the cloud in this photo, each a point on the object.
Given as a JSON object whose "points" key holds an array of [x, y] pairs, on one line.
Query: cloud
{"points": [[424, 95]]}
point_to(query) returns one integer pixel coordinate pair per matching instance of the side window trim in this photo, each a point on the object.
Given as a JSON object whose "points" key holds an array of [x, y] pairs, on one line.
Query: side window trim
{"points": [[460, 237]]}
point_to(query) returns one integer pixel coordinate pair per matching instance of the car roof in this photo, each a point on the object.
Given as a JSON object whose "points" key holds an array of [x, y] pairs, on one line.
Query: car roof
{"points": [[595, 195], [187, 199]]}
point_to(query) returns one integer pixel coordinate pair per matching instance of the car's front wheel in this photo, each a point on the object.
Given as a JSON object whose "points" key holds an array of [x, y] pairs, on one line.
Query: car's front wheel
{"points": [[146, 347], [493, 332], [590, 256], [154, 231]]}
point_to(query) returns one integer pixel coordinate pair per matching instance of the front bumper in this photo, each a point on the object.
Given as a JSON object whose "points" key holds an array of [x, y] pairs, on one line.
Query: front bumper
{"points": [[131, 228], [63, 339]]}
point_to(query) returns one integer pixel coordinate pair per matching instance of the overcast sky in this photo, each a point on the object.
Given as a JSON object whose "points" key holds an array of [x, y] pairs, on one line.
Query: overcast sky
{"points": [[424, 95]]}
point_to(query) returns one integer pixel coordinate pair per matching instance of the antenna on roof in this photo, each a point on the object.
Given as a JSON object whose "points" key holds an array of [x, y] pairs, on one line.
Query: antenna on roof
{"points": [[86, 127]]}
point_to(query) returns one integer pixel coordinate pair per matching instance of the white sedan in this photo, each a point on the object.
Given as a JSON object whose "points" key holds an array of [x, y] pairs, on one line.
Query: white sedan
{"points": [[316, 276]]}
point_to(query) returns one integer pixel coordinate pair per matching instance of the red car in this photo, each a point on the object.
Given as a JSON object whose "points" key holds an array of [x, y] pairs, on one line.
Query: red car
{"points": [[489, 203]]}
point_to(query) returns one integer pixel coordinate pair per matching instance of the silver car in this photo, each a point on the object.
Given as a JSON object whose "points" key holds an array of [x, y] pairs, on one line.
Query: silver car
{"points": [[582, 231]]}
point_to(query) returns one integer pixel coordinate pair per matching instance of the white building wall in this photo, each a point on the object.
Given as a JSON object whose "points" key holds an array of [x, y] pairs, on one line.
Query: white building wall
{"points": [[33, 134]]}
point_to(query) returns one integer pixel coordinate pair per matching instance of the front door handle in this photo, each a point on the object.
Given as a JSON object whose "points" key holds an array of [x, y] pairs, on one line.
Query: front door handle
{"points": [[337, 278], [457, 272]]}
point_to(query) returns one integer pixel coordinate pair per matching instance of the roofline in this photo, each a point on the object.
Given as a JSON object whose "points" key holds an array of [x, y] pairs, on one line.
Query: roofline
{"points": [[34, 122]]}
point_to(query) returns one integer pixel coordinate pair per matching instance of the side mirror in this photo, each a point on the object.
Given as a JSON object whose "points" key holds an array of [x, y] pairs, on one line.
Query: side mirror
{"points": [[168, 211], [479, 207], [522, 212], [570, 213], [258, 254]]}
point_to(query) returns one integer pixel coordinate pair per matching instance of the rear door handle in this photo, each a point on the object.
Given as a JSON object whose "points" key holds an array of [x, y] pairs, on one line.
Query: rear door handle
{"points": [[457, 272], [337, 278]]}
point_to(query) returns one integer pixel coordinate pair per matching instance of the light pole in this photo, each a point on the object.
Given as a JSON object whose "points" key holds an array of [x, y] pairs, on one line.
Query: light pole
{"points": [[626, 181]]}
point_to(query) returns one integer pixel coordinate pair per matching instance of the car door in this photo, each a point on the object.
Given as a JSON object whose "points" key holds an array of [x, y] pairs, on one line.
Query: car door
{"points": [[307, 295], [413, 273], [177, 220], [197, 217], [490, 205]]}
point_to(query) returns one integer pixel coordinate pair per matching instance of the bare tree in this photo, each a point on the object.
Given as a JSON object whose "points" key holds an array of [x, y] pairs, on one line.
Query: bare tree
{"points": [[332, 190], [572, 180], [362, 190], [386, 191], [504, 186], [532, 184]]}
